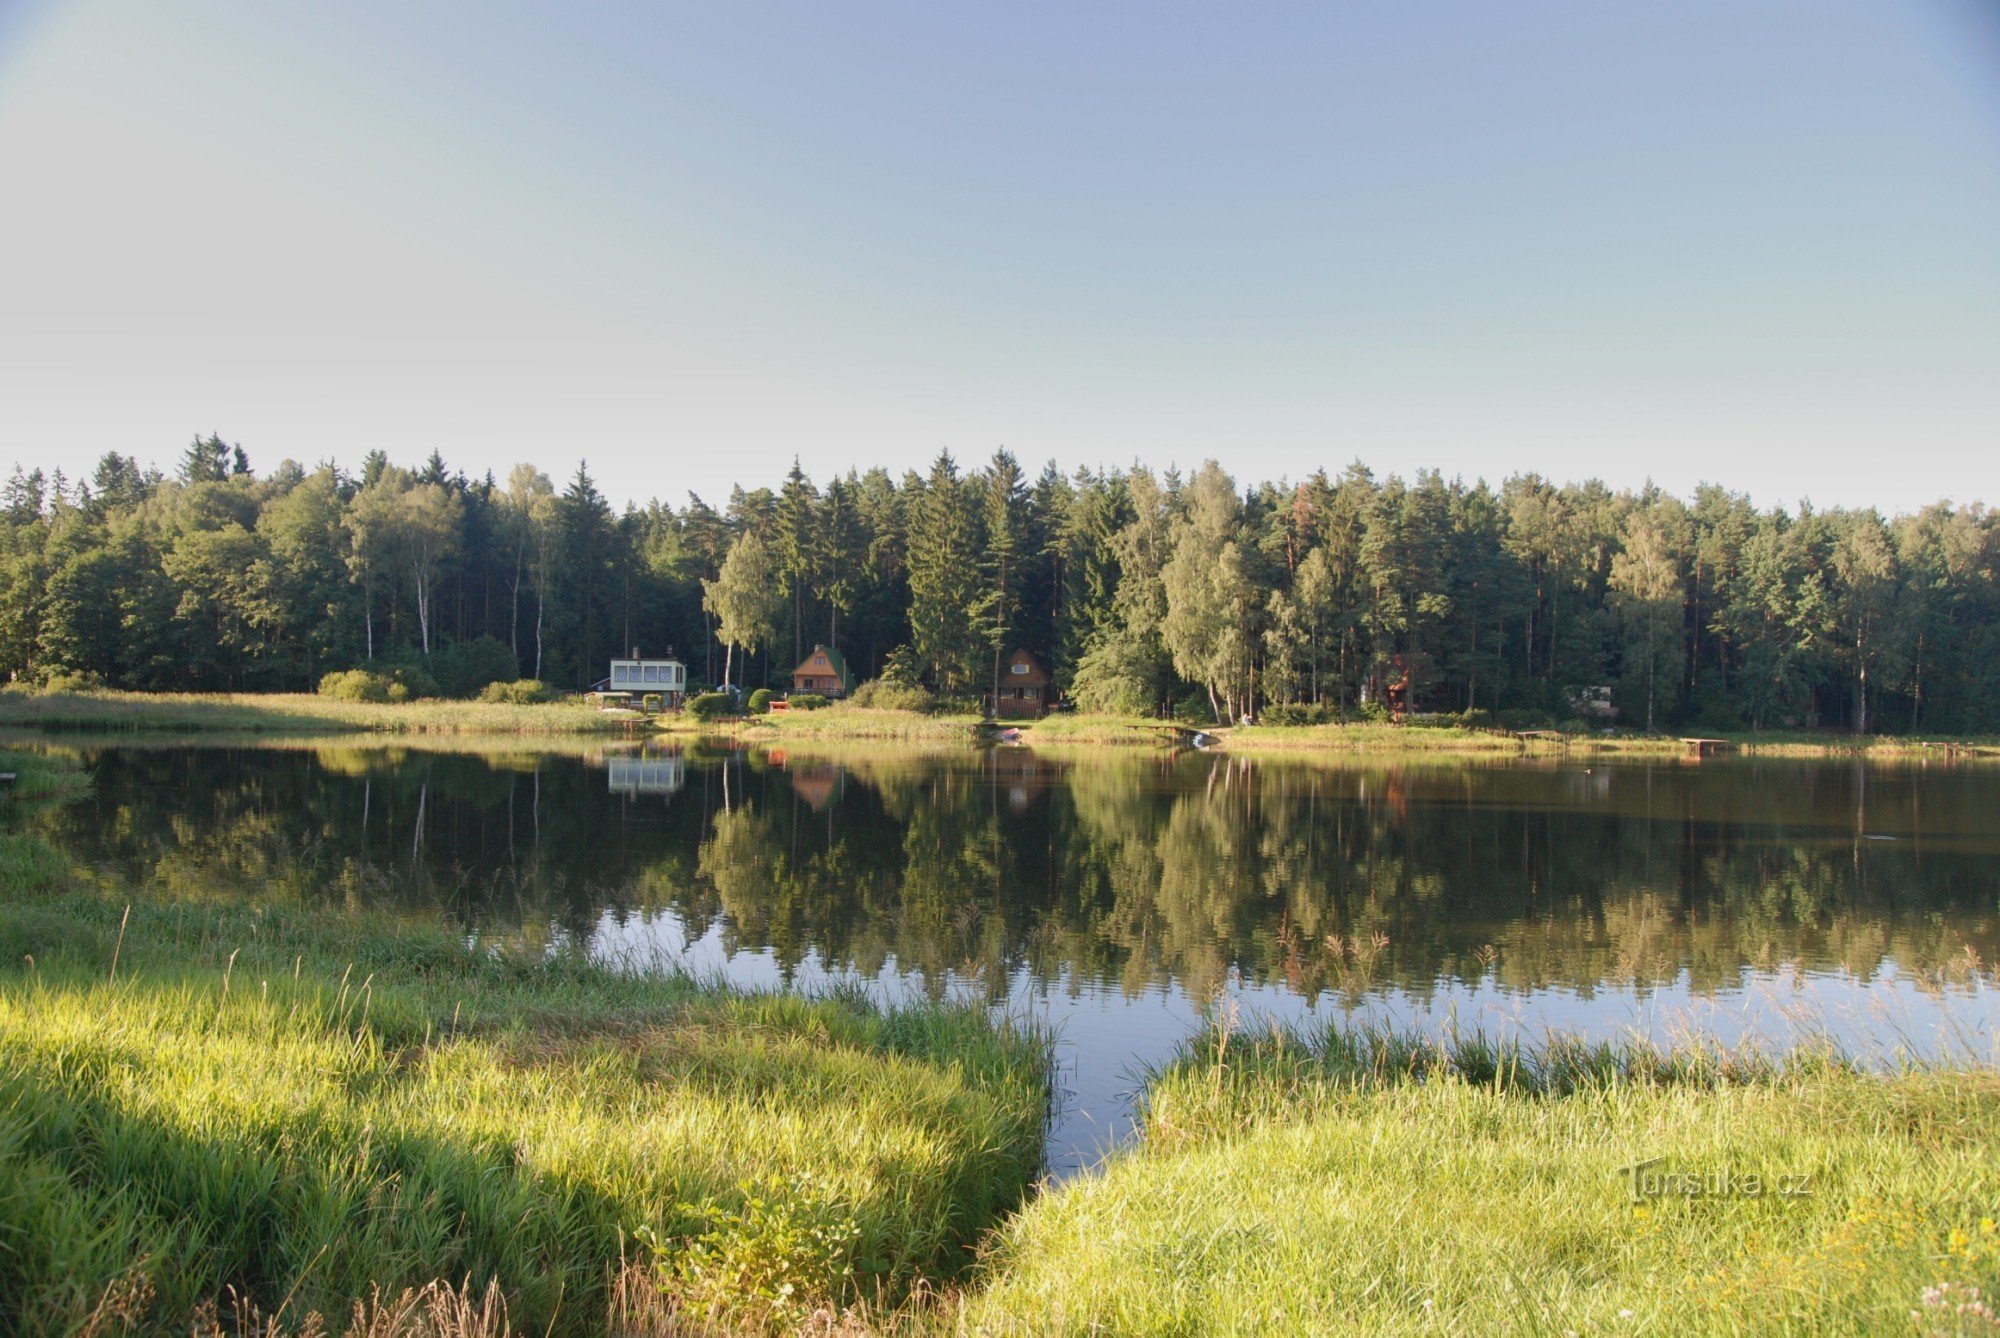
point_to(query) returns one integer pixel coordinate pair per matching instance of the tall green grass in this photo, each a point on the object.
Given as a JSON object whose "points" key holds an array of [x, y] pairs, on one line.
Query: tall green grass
{"points": [[201, 1101], [1378, 1184]]}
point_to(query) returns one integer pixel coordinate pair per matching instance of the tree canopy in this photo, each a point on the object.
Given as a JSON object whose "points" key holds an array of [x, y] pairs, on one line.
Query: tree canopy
{"points": [[1142, 591]]}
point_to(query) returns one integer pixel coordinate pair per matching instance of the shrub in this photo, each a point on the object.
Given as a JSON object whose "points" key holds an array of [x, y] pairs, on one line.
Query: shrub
{"points": [[70, 680], [356, 685], [521, 692], [806, 701], [414, 681], [760, 702], [884, 694], [1524, 717], [710, 705], [464, 668], [1438, 720], [1193, 710], [1299, 713]]}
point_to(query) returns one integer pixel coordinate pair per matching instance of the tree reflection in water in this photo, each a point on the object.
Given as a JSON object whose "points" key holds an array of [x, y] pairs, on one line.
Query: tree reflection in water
{"points": [[1118, 869]]}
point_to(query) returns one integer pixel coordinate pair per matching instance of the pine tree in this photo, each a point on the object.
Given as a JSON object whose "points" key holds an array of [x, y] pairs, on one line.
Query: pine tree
{"points": [[1004, 506], [945, 585], [796, 547]]}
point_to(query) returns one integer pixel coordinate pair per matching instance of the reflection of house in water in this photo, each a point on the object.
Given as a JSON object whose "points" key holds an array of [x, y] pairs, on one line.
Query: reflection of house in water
{"points": [[633, 776], [1021, 774], [815, 782]]}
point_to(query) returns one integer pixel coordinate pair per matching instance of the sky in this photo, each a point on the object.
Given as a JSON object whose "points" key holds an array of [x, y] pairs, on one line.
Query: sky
{"points": [[1749, 242]]}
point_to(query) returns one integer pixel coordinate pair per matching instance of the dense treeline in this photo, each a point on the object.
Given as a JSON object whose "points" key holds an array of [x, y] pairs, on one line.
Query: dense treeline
{"points": [[1145, 592]]}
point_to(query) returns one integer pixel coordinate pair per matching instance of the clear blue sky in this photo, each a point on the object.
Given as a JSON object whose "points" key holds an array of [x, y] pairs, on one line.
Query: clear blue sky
{"points": [[1746, 241]]}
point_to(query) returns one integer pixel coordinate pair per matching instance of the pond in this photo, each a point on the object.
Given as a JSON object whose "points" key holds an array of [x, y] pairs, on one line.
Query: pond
{"points": [[1117, 895]]}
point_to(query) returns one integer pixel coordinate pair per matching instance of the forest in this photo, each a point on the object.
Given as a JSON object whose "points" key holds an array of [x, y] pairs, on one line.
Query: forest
{"points": [[1336, 596]]}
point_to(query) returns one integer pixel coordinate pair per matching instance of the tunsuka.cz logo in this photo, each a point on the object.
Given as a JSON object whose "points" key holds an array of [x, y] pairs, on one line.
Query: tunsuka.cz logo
{"points": [[1652, 1179]]}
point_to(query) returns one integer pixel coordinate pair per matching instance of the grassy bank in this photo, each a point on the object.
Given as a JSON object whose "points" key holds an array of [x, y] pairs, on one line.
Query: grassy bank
{"points": [[307, 1108], [1448, 739], [1370, 1185], [838, 721], [295, 713]]}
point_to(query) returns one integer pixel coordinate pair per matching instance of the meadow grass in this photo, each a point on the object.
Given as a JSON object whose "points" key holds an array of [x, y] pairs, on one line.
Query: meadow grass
{"points": [[1376, 1184], [295, 713], [296, 1111]]}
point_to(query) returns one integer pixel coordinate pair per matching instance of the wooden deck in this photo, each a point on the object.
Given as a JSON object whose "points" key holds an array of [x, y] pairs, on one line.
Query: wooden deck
{"points": [[1699, 748]]}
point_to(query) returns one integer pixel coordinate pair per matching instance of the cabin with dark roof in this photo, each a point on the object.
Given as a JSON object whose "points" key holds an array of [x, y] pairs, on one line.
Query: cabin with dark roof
{"points": [[1024, 688], [825, 672]]}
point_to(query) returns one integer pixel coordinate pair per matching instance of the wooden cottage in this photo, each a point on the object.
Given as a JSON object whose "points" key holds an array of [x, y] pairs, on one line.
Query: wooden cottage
{"points": [[824, 671], [1024, 688]]}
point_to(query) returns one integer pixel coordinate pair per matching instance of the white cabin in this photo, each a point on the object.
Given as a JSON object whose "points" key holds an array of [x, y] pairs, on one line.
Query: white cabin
{"points": [[665, 677]]}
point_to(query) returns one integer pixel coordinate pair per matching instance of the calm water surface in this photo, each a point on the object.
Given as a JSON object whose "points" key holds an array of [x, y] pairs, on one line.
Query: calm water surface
{"points": [[1117, 895]]}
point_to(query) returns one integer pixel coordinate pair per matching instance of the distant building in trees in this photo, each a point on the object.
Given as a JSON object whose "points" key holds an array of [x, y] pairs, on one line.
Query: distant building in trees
{"points": [[825, 672], [1024, 687]]}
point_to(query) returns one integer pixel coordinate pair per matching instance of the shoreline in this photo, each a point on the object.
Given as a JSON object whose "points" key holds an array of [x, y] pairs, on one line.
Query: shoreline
{"points": [[306, 717]]}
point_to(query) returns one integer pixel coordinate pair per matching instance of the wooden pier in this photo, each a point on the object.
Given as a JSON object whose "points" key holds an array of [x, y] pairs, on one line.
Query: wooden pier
{"points": [[1700, 748]]}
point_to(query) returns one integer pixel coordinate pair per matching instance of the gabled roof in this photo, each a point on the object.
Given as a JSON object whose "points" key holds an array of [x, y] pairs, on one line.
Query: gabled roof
{"points": [[1038, 672], [834, 658]]}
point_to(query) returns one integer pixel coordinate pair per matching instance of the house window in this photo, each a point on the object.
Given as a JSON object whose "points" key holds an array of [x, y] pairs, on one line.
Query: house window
{"points": [[1017, 668]]}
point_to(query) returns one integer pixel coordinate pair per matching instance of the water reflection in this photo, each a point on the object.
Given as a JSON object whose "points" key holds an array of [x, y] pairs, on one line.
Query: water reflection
{"points": [[1120, 893]]}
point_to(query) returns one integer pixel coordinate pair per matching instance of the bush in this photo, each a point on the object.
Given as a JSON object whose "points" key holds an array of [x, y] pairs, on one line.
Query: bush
{"points": [[884, 694], [70, 680], [806, 701], [356, 685], [410, 681], [1193, 710], [760, 702], [711, 705], [1524, 717], [1449, 720], [521, 692], [464, 668], [1299, 713]]}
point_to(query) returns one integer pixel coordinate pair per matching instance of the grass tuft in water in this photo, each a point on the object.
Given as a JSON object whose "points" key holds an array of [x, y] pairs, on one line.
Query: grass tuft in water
{"points": [[1377, 1182]]}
